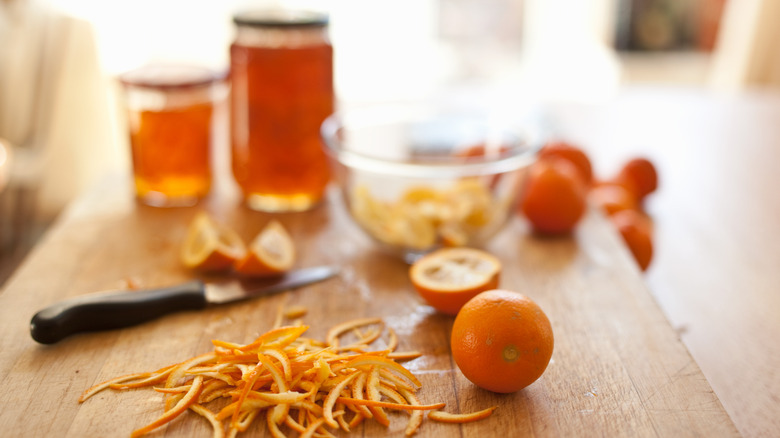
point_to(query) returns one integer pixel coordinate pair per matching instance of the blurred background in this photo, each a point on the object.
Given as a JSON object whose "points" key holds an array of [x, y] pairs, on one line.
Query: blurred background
{"points": [[61, 129]]}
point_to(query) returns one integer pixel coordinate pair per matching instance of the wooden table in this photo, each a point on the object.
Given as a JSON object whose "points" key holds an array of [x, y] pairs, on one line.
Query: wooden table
{"points": [[619, 367], [716, 268]]}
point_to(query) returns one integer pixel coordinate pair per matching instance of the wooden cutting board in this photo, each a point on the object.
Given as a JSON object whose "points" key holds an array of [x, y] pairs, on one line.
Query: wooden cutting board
{"points": [[618, 368]]}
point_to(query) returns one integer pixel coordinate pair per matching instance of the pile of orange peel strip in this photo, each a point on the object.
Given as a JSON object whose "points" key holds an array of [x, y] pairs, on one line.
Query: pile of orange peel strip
{"points": [[301, 384]]}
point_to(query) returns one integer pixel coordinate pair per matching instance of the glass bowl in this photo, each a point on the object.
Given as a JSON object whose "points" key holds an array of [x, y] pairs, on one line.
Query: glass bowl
{"points": [[416, 177]]}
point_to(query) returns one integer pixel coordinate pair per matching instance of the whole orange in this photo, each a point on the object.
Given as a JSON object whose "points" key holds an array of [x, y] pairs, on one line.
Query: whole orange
{"points": [[573, 154], [636, 231], [501, 340], [554, 197], [640, 176]]}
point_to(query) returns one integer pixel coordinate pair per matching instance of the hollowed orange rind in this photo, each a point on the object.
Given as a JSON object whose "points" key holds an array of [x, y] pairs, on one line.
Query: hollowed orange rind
{"points": [[210, 246], [447, 278], [271, 253]]}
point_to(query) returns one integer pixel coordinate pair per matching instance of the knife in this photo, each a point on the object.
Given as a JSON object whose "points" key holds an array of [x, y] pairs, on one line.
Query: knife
{"points": [[117, 309]]}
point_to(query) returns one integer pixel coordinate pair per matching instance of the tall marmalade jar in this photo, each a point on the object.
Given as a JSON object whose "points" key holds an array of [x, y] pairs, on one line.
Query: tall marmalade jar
{"points": [[282, 90]]}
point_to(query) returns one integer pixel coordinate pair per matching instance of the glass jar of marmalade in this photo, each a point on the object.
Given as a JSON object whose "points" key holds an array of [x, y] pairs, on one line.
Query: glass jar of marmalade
{"points": [[170, 118], [281, 91]]}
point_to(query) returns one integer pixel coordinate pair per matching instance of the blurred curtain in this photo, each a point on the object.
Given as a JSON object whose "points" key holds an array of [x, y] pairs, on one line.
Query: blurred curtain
{"points": [[54, 102], [747, 52], [54, 114]]}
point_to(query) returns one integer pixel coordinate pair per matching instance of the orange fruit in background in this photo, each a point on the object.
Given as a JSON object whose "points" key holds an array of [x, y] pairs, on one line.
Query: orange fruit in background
{"points": [[210, 246], [571, 153], [554, 196], [271, 253], [636, 231], [483, 149], [447, 278], [612, 198], [640, 176], [502, 341]]}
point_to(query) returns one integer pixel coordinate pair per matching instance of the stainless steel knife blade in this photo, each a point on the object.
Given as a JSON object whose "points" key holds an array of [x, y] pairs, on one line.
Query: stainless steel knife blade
{"points": [[229, 291]]}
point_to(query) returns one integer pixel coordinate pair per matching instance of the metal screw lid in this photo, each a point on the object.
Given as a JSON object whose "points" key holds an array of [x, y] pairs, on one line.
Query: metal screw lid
{"points": [[281, 18]]}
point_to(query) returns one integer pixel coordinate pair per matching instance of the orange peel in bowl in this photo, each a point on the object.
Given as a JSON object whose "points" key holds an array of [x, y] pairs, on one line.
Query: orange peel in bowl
{"points": [[424, 217], [210, 246], [447, 278], [270, 253]]}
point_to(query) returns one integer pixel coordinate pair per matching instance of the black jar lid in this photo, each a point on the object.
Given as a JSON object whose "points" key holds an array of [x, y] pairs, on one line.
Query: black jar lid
{"points": [[281, 18]]}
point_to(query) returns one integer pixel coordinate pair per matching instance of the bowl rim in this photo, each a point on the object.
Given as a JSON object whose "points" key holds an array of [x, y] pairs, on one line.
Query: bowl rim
{"points": [[519, 157]]}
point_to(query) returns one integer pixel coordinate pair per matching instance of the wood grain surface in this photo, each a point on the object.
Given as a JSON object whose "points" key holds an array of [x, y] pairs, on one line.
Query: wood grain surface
{"points": [[618, 369], [716, 267]]}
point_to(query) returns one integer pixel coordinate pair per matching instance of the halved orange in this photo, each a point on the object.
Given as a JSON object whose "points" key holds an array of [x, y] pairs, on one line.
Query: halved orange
{"points": [[210, 246], [447, 278], [271, 253]]}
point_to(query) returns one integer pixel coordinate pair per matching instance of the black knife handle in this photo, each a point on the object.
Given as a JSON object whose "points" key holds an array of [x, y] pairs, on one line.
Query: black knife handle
{"points": [[104, 311]]}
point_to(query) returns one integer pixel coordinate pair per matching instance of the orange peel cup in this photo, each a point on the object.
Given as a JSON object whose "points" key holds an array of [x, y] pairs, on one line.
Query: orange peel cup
{"points": [[211, 246], [447, 278], [270, 253]]}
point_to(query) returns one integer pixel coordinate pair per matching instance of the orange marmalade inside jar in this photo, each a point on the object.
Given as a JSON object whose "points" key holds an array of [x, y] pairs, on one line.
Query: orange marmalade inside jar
{"points": [[281, 91], [170, 119]]}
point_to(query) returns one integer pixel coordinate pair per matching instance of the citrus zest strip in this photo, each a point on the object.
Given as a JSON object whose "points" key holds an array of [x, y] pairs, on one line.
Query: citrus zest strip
{"points": [[286, 397], [249, 382], [276, 373], [101, 386], [248, 405], [339, 416], [176, 390], [183, 404], [274, 428], [309, 431], [279, 412], [295, 311], [446, 417], [391, 393], [397, 381], [245, 420], [332, 338], [357, 393], [280, 337], [178, 371], [363, 341], [330, 400], [392, 343], [404, 355], [372, 389], [366, 360], [415, 420], [283, 359], [294, 425], [155, 377], [219, 432], [389, 405]]}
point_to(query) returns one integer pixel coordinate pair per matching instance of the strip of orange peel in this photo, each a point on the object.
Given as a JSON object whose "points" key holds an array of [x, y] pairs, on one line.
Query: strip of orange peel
{"points": [[446, 417]]}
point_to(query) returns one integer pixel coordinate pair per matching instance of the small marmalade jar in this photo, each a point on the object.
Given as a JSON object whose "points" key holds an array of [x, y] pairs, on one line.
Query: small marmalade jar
{"points": [[171, 125], [281, 92]]}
